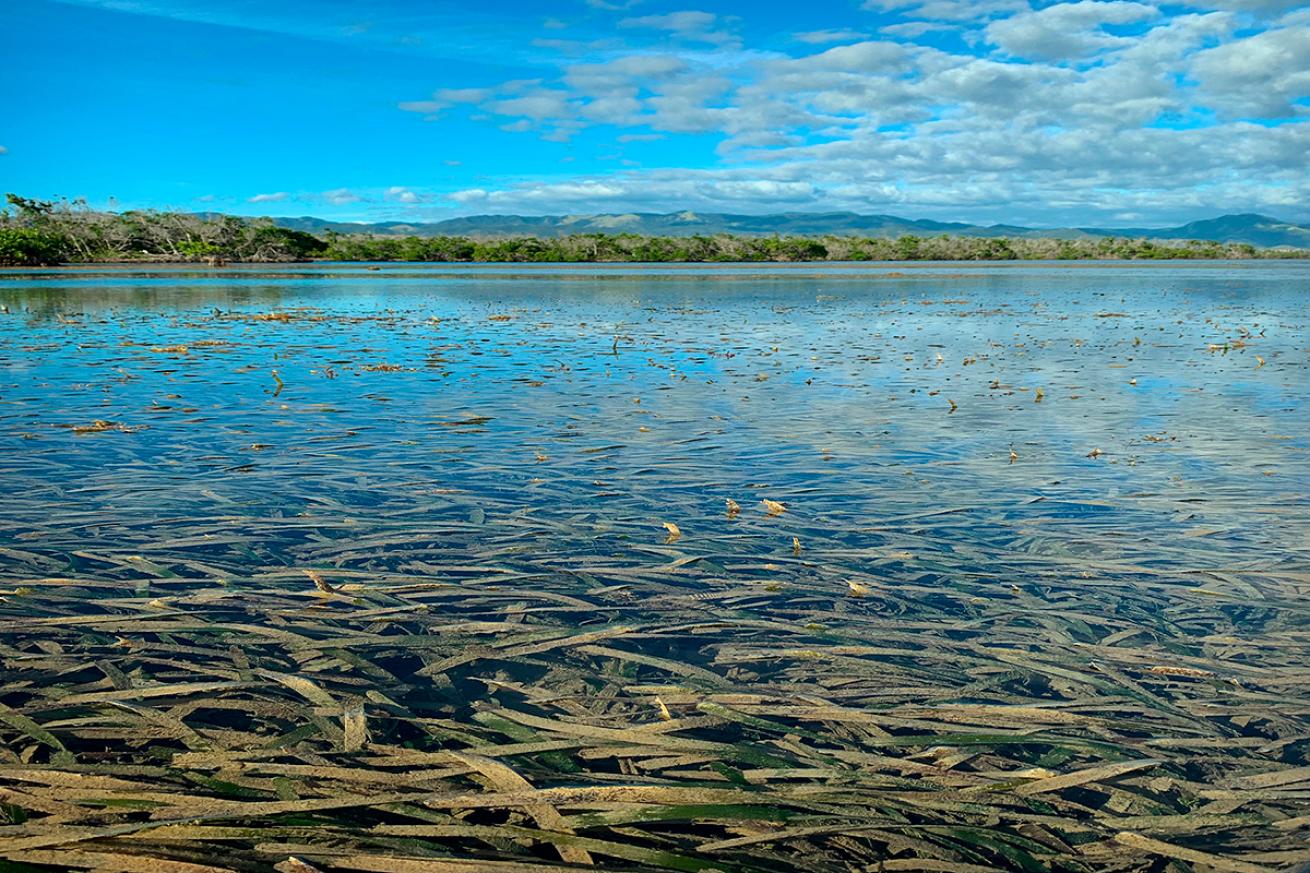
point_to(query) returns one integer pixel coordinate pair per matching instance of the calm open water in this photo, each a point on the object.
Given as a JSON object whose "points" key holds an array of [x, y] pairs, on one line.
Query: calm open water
{"points": [[1005, 471]]}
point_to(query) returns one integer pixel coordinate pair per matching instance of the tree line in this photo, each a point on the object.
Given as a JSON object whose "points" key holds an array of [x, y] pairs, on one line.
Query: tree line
{"points": [[43, 233]]}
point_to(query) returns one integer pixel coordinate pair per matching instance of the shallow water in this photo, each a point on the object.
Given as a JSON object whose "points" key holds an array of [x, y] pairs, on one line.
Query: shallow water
{"points": [[1036, 518]]}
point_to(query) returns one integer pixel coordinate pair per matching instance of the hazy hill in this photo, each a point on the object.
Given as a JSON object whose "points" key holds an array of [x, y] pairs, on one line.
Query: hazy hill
{"points": [[1258, 230]]}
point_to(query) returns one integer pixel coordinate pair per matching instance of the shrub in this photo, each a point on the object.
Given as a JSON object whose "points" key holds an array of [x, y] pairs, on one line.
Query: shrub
{"points": [[29, 247]]}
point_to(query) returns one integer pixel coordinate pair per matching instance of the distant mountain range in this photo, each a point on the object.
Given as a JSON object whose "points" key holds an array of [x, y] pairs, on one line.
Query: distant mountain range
{"points": [[1259, 230]]}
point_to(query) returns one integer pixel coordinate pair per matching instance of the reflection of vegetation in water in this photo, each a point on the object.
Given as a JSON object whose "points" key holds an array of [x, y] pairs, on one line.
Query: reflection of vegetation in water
{"points": [[42, 233], [424, 606]]}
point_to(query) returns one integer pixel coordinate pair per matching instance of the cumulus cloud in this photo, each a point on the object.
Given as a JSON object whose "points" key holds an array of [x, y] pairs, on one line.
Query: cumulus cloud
{"points": [[1067, 31], [462, 95], [341, 196], [269, 198], [948, 10], [445, 99], [423, 107], [1056, 113], [535, 105], [859, 57], [624, 72], [1261, 76], [689, 25], [401, 194], [1059, 177], [913, 29], [818, 37], [1256, 7]]}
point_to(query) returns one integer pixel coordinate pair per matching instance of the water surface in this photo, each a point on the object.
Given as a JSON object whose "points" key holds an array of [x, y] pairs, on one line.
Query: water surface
{"points": [[379, 565]]}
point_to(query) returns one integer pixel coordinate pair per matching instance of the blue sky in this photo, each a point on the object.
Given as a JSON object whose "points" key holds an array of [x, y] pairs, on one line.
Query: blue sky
{"points": [[1000, 110]]}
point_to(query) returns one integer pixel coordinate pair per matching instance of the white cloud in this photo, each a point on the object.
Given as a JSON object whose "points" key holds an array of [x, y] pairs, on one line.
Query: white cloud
{"points": [[1257, 7], [622, 72], [860, 57], [948, 10], [1067, 31], [445, 99], [689, 25], [536, 105], [269, 198], [423, 107], [914, 29], [1260, 76], [341, 196], [462, 95], [401, 194], [1064, 177], [1064, 113], [771, 190], [818, 37]]}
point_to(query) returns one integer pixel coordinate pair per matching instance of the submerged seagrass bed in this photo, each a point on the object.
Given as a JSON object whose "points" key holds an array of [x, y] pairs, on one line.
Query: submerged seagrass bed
{"points": [[475, 570]]}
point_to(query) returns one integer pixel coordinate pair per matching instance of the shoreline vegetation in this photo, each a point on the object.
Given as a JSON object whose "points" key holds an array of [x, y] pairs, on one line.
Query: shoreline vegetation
{"points": [[36, 233]]}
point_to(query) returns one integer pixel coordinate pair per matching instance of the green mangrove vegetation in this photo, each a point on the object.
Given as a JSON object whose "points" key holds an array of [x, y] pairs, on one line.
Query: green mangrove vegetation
{"points": [[41, 233], [46, 233]]}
